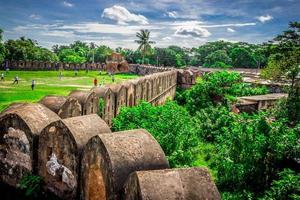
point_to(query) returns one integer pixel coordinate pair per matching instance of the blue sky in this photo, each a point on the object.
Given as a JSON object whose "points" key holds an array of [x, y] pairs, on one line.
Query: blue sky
{"points": [[188, 23]]}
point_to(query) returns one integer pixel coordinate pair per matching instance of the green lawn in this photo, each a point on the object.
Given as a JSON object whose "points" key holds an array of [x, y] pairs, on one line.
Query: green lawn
{"points": [[48, 83]]}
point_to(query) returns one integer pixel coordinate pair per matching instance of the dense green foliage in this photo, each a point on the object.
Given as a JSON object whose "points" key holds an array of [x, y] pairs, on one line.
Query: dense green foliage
{"points": [[221, 54], [2, 48], [286, 187], [285, 61], [250, 156], [169, 124], [218, 59], [31, 184], [27, 49], [218, 88]]}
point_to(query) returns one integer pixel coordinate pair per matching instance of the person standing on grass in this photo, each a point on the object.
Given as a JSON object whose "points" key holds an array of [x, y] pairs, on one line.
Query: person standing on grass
{"points": [[76, 72], [16, 80], [32, 84], [113, 78], [95, 82], [2, 76], [60, 75]]}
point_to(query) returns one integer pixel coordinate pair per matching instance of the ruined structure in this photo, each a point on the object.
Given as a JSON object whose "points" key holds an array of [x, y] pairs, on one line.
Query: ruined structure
{"points": [[79, 157], [120, 96], [186, 78], [184, 184], [116, 63], [60, 149], [87, 99], [147, 69], [65, 107], [109, 159], [251, 104], [106, 103], [20, 127]]}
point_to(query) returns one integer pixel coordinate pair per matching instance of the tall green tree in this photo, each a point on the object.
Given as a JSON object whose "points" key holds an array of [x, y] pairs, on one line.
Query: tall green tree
{"points": [[286, 62], [144, 42], [219, 59], [242, 57], [2, 48], [27, 49]]}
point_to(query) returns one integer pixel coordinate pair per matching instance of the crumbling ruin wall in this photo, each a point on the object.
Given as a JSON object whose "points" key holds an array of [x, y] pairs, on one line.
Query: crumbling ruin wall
{"points": [[106, 103], [20, 127], [185, 184], [60, 148], [87, 99], [65, 107], [108, 160], [147, 69]]}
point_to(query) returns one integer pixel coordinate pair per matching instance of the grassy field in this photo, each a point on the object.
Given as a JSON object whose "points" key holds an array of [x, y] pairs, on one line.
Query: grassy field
{"points": [[49, 83]]}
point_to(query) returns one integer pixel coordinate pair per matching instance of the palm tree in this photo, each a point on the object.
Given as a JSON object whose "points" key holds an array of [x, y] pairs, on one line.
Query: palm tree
{"points": [[144, 42], [92, 49]]}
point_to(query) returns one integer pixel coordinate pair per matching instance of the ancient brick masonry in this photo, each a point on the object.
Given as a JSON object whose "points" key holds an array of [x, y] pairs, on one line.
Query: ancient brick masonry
{"points": [[114, 64], [154, 88], [185, 184], [87, 99], [20, 127], [60, 148], [79, 157], [109, 159], [65, 107]]}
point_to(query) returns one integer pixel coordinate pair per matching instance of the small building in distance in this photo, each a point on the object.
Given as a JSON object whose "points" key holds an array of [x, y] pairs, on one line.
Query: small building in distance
{"points": [[116, 63]]}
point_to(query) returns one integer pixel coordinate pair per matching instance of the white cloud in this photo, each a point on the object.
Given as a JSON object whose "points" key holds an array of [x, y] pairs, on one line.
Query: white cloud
{"points": [[264, 18], [34, 16], [230, 30], [196, 32], [58, 33], [68, 4], [228, 25], [167, 38], [172, 14], [123, 16]]}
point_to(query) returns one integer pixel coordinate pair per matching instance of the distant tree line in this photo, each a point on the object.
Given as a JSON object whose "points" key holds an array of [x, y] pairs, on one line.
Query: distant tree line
{"points": [[221, 54]]}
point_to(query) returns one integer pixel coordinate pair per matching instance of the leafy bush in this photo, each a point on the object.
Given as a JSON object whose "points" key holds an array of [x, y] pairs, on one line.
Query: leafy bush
{"points": [[210, 122], [217, 88], [170, 124], [251, 152], [286, 187], [31, 184]]}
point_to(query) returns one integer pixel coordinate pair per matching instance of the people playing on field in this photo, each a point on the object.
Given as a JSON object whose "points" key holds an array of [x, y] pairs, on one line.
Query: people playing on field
{"points": [[32, 84], [2, 76], [76, 72], [95, 82], [16, 80]]}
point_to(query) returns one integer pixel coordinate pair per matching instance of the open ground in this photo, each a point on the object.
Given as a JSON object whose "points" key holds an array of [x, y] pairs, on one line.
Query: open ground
{"points": [[49, 83]]}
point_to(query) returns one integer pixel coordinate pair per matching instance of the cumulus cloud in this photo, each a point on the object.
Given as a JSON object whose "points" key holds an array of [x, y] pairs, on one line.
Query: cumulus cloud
{"points": [[264, 18], [196, 32], [167, 38], [230, 30], [34, 16], [123, 16], [67, 4], [172, 14]]}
